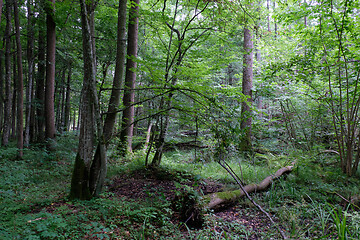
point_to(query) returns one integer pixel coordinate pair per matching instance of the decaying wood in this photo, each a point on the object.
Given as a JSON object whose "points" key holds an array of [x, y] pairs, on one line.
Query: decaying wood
{"points": [[216, 200]]}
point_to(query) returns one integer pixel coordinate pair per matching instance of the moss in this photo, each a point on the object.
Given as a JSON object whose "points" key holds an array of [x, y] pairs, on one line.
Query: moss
{"points": [[80, 181], [229, 195]]}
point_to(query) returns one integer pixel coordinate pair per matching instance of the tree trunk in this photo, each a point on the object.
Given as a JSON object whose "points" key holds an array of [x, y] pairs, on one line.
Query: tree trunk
{"points": [[50, 72], [20, 85], [40, 87], [1, 5], [30, 59], [127, 125], [1, 89], [119, 73], [89, 170], [247, 84], [8, 92], [59, 93], [14, 100], [66, 119]]}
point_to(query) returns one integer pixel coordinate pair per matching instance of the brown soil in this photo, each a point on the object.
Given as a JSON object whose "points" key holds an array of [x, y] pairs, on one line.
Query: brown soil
{"points": [[141, 186]]}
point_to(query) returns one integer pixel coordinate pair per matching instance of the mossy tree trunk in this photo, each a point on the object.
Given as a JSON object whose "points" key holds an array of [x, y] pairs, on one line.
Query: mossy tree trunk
{"points": [[89, 169]]}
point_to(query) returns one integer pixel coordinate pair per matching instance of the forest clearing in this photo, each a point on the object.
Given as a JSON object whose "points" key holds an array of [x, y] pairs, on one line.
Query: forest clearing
{"points": [[168, 119]]}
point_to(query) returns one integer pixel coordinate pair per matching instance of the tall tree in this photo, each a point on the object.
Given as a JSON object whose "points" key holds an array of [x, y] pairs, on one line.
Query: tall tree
{"points": [[89, 169], [20, 85], [30, 59], [1, 5], [127, 126], [40, 85], [247, 84], [66, 118], [8, 92], [119, 72], [50, 71]]}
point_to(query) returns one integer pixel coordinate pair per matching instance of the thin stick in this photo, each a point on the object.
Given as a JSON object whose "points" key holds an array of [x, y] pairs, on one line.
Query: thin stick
{"points": [[252, 200]]}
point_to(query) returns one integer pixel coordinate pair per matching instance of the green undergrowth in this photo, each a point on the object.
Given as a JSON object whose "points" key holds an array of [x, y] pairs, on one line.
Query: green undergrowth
{"points": [[310, 202]]}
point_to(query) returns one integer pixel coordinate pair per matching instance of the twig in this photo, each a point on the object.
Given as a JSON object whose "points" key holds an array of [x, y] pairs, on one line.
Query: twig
{"points": [[252, 200]]}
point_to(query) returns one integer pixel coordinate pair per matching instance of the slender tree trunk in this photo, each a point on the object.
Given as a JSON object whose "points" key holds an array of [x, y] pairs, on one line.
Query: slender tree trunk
{"points": [[8, 93], [1, 5], [246, 119], [275, 24], [30, 59], [66, 119], [20, 85], [40, 87], [1, 78], [127, 126], [119, 73], [50, 72], [2, 97], [268, 14], [59, 93], [14, 99]]}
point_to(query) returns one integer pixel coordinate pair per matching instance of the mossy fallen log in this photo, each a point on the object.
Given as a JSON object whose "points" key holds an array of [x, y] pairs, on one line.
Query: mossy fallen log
{"points": [[220, 199], [192, 207]]}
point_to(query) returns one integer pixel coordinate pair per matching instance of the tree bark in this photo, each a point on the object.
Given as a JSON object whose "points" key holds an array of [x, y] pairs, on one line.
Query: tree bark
{"points": [[247, 84], [127, 126], [30, 59], [8, 92], [1, 5], [66, 119], [40, 87], [20, 85], [119, 73], [50, 72], [89, 170]]}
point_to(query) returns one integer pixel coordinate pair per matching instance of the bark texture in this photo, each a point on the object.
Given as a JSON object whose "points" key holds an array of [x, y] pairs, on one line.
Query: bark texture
{"points": [[247, 84], [8, 92], [20, 85], [1, 5], [119, 73], [127, 126], [30, 60], [40, 87], [89, 170], [50, 72]]}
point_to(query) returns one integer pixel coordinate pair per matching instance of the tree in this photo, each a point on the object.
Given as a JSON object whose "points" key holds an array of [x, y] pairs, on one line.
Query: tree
{"points": [[119, 72], [20, 85], [247, 84], [40, 84], [89, 169], [1, 5], [50, 71], [127, 125], [30, 59], [8, 93]]}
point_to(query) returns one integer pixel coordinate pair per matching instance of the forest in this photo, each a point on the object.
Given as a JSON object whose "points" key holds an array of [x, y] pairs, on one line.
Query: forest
{"points": [[169, 119]]}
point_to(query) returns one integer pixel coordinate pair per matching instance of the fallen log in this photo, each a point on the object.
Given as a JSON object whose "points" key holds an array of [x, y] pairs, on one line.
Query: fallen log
{"points": [[220, 199], [191, 207]]}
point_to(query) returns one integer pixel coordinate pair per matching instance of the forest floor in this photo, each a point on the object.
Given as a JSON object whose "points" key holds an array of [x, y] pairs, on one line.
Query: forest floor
{"points": [[314, 201], [141, 186]]}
